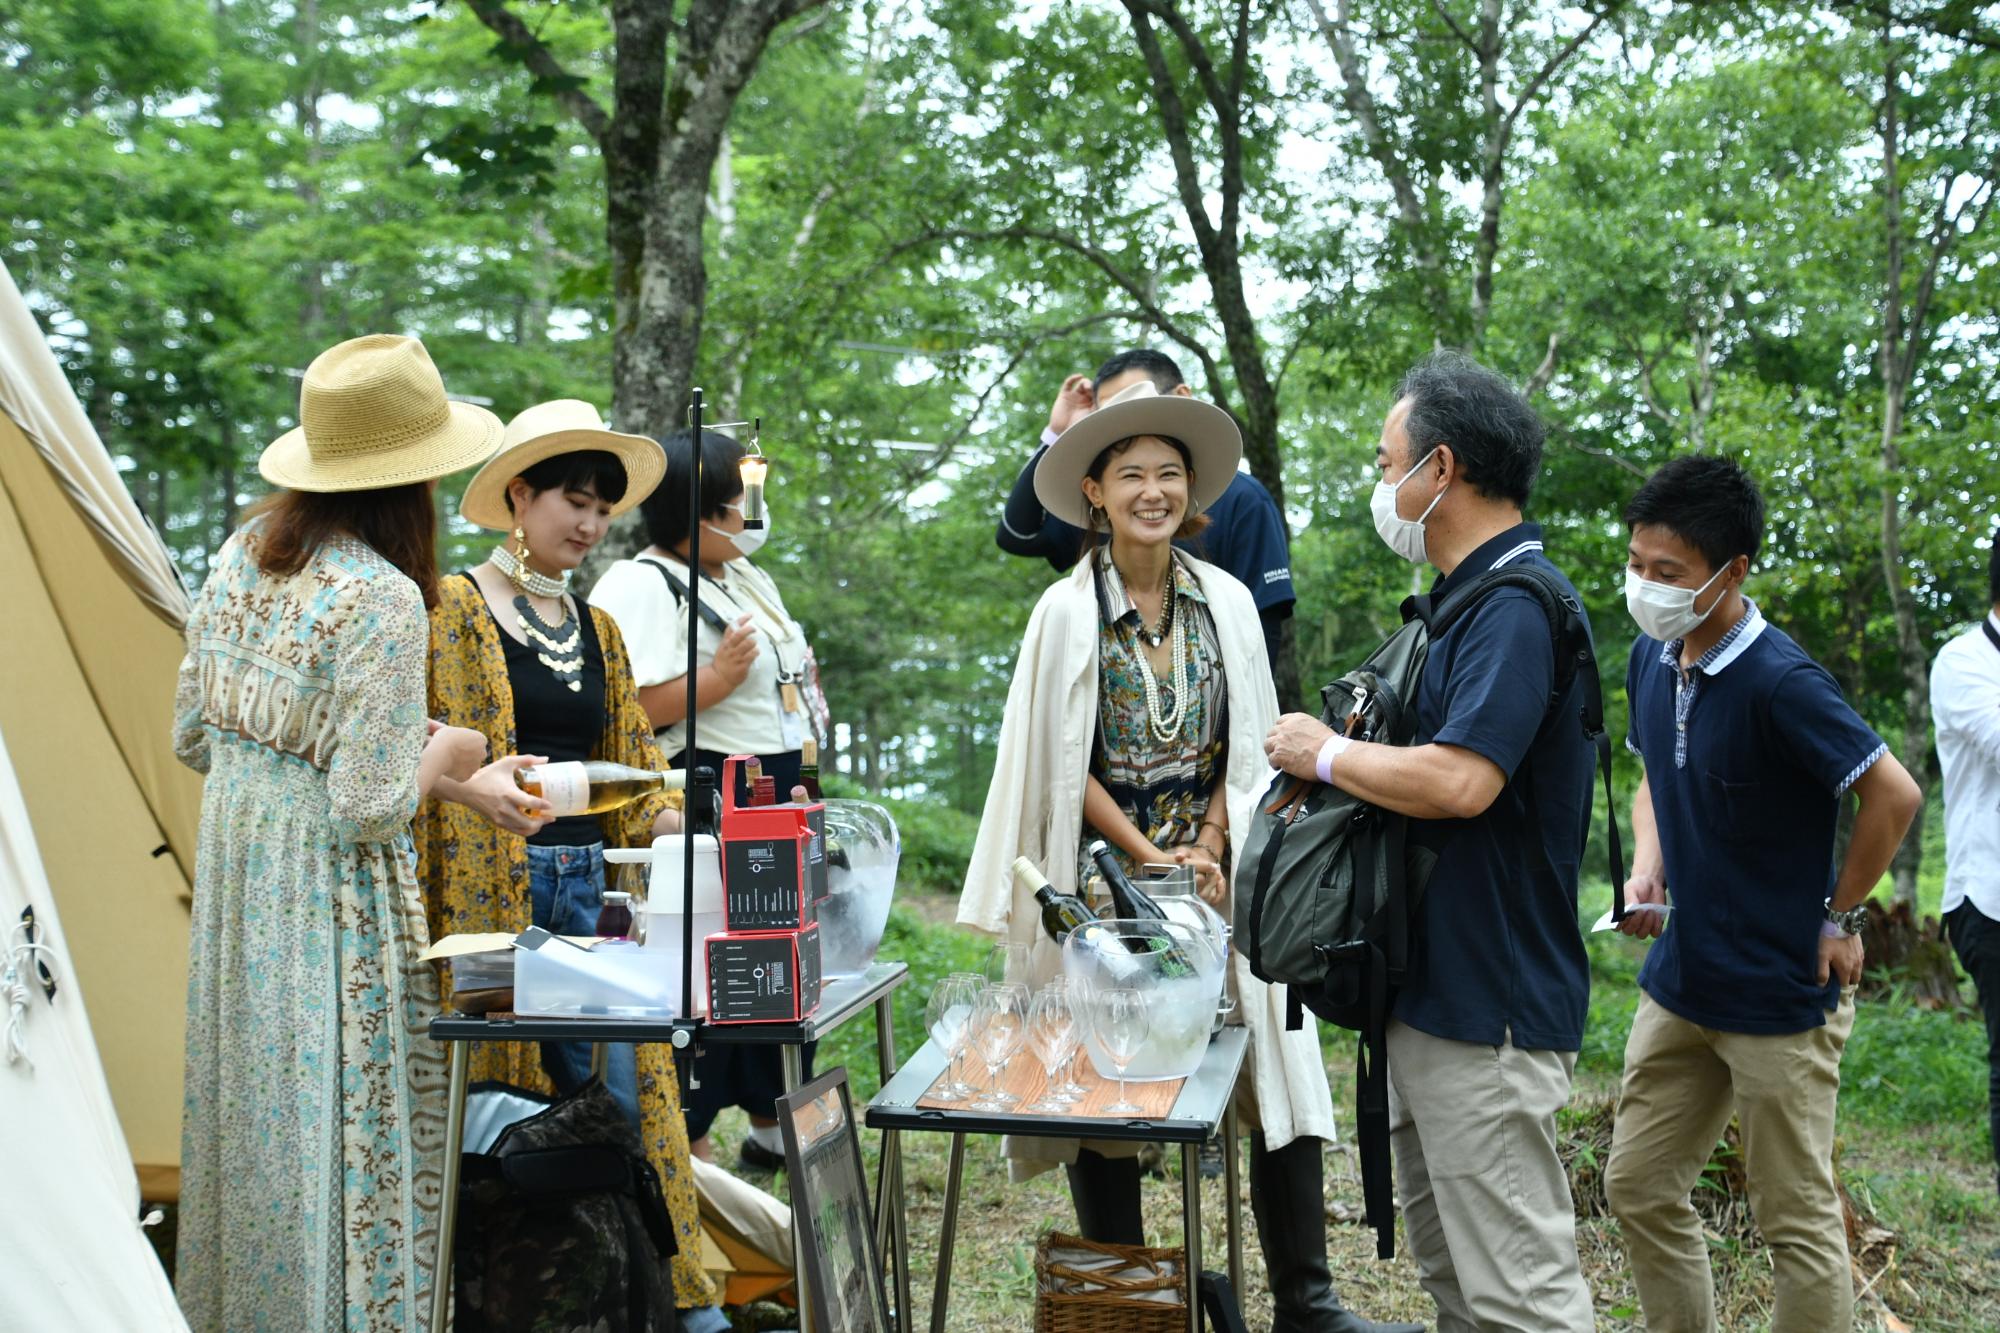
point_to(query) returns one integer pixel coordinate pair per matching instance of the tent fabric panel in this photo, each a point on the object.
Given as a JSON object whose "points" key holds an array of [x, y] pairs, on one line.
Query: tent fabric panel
{"points": [[127, 920], [74, 1254]]}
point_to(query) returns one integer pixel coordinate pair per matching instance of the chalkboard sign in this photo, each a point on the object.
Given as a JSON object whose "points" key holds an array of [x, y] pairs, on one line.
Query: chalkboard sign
{"points": [[842, 1275]]}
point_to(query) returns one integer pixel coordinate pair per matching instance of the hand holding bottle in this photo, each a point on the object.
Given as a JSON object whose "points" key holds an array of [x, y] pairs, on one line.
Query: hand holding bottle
{"points": [[494, 791]]}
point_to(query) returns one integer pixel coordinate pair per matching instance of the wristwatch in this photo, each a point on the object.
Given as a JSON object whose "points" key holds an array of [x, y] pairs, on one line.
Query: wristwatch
{"points": [[1849, 922]]}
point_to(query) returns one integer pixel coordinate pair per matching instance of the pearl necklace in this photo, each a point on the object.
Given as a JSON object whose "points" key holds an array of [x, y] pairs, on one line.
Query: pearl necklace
{"points": [[528, 580], [1166, 727]]}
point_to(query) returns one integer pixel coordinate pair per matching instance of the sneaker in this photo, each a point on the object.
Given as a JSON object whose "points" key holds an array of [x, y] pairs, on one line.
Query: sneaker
{"points": [[754, 1156]]}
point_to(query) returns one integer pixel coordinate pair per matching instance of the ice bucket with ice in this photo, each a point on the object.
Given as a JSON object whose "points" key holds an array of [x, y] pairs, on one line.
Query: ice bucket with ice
{"points": [[1174, 966]]}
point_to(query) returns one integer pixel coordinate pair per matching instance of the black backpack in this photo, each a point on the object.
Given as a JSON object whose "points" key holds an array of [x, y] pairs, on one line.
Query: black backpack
{"points": [[1335, 883]]}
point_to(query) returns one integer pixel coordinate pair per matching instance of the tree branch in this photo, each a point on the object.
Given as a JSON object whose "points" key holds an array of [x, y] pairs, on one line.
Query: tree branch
{"points": [[928, 468], [1544, 372], [1103, 262], [1174, 122], [1539, 84], [1437, 7], [524, 45]]}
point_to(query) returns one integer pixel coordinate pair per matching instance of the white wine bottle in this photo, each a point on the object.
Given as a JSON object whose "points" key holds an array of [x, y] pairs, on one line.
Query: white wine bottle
{"points": [[592, 788]]}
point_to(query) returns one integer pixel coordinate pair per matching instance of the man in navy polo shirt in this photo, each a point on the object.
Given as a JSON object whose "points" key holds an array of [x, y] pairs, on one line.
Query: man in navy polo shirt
{"points": [[1246, 533], [1485, 1032], [1749, 748]]}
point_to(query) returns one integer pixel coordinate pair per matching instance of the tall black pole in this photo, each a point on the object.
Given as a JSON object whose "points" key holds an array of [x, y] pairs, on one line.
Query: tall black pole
{"points": [[694, 791]]}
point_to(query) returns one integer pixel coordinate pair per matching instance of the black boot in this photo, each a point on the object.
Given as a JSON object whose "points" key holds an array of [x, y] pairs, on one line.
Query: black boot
{"points": [[1105, 1191], [1288, 1199]]}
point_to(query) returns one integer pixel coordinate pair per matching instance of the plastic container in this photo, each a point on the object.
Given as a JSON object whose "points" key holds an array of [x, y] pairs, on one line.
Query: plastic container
{"points": [[659, 916], [863, 850], [1180, 1011], [617, 979]]}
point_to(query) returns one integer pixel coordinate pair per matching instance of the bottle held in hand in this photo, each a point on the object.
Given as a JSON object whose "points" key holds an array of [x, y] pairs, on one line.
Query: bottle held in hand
{"points": [[595, 787]]}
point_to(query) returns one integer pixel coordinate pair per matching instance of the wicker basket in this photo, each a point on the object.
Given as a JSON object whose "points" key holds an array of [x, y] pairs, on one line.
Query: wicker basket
{"points": [[1083, 1286]]}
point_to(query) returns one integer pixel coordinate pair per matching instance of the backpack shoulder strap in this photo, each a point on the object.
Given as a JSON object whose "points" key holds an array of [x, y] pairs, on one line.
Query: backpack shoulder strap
{"points": [[1575, 659], [709, 614]]}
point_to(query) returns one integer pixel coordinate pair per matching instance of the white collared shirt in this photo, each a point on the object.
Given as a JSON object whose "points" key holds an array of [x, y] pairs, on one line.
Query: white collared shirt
{"points": [[1965, 705]]}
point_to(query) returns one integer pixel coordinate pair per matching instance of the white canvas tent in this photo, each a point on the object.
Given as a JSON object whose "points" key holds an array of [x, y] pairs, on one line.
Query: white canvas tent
{"points": [[97, 828]]}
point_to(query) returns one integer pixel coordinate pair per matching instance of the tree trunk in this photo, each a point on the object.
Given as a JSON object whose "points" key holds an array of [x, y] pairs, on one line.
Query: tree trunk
{"points": [[1898, 369]]}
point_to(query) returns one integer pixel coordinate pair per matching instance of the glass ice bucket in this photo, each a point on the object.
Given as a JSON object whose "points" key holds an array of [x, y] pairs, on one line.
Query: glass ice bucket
{"points": [[1177, 969], [862, 853]]}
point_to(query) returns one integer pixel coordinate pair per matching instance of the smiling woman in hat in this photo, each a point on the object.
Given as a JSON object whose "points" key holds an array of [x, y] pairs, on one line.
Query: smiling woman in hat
{"points": [[517, 653], [1134, 717], [312, 1134]]}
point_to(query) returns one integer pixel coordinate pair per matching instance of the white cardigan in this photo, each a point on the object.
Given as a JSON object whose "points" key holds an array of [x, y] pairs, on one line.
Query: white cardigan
{"points": [[1034, 808]]}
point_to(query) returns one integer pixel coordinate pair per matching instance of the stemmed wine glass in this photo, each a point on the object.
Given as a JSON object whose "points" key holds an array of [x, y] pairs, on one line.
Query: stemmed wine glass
{"points": [[1052, 1033], [946, 1017], [999, 1023], [1079, 994], [1006, 964], [1122, 1026]]}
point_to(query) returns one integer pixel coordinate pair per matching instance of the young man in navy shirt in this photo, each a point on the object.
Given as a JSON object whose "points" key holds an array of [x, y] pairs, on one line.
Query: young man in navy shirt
{"points": [[1485, 1032], [1246, 533], [1749, 749]]}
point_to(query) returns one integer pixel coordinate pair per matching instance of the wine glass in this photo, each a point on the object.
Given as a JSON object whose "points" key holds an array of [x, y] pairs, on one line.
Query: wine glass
{"points": [[1079, 992], [1006, 963], [945, 1018], [999, 1023], [1122, 1026], [1052, 1035]]}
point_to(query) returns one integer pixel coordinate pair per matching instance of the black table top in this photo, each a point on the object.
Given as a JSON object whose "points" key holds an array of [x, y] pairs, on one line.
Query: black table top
{"points": [[1195, 1114], [842, 999]]}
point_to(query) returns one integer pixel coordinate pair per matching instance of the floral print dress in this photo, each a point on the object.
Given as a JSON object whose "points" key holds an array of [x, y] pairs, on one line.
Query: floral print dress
{"points": [[313, 1130], [1162, 786]]}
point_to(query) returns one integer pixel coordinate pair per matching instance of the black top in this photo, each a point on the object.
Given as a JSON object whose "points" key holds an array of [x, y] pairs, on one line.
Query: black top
{"points": [[552, 720]]}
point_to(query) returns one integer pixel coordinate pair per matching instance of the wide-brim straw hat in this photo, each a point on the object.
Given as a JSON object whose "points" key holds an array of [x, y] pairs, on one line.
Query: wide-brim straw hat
{"points": [[373, 413], [1214, 445], [563, 426]]}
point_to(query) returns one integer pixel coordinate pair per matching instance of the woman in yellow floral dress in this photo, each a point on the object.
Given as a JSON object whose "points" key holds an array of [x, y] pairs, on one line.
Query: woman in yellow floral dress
{"points": [[518, 656]]}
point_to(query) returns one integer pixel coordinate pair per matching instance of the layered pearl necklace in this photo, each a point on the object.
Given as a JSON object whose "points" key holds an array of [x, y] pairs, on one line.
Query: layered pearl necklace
{"points": [[1165, 726], [526, 579]]}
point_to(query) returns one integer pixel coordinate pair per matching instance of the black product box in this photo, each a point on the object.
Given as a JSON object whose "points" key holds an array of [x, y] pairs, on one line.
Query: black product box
{"points": [[771, 978], [771, 879]]}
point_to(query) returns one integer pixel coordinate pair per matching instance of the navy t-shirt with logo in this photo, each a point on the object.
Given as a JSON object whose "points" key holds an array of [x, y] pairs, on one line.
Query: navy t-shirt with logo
{"points": [[1747, 773], [1499, 955]]}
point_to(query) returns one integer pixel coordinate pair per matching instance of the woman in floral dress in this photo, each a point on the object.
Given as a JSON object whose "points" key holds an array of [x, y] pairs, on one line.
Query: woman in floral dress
{"points": [[311, 1157]]}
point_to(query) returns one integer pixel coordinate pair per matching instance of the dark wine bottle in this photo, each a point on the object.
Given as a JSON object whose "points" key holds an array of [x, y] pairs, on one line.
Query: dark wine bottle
{"points": [[1131, 903], [1061, 913]]}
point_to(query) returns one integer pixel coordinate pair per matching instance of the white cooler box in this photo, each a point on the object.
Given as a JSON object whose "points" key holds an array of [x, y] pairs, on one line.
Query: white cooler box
{"points": [[659, 917], [611, 980]]}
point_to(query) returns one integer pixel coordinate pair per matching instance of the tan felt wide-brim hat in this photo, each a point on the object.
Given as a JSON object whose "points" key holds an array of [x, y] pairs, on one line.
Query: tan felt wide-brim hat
{"points": [[547, 430], [1214, 445], [373, 413]]}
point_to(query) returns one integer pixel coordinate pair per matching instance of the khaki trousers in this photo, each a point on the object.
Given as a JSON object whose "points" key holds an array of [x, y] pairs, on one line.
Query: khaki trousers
{"points": [[1486, 1204], [1681, 1084]]}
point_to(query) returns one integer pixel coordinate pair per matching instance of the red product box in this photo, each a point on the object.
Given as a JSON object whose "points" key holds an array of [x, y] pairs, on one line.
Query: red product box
{"points": [[773, 860], [766, 978]]}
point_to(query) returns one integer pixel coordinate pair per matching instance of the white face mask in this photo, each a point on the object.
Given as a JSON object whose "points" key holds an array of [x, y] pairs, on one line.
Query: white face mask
{"points": [[1665, 612], [749, 540], [1405, 536]]}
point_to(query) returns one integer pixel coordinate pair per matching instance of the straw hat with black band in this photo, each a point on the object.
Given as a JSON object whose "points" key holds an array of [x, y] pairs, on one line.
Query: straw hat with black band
{"points": [[544, 431], [1213, 442], [372, 414]]}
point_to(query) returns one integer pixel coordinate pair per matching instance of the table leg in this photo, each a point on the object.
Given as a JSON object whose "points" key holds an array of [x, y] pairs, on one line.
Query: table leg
{"points": [[600, 1060], [889, 1199], [941, 1291], [1232, 1150], [454, 1143], [1191, 1227], [793, 1058]]}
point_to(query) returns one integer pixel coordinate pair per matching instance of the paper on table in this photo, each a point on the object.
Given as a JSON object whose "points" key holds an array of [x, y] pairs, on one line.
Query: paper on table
{"points": [[1606, 923]]}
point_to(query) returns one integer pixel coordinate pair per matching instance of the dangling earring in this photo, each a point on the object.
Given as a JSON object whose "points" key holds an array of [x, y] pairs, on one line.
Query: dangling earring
{"points": [[519, 573]]}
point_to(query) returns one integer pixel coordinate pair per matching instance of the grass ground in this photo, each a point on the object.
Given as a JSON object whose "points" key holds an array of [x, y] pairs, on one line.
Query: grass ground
{"points": [[1912, 1154]]}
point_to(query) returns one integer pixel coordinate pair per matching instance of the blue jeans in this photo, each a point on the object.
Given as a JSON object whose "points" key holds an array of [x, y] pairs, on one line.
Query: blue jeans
{"points": [[567, 886]]}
